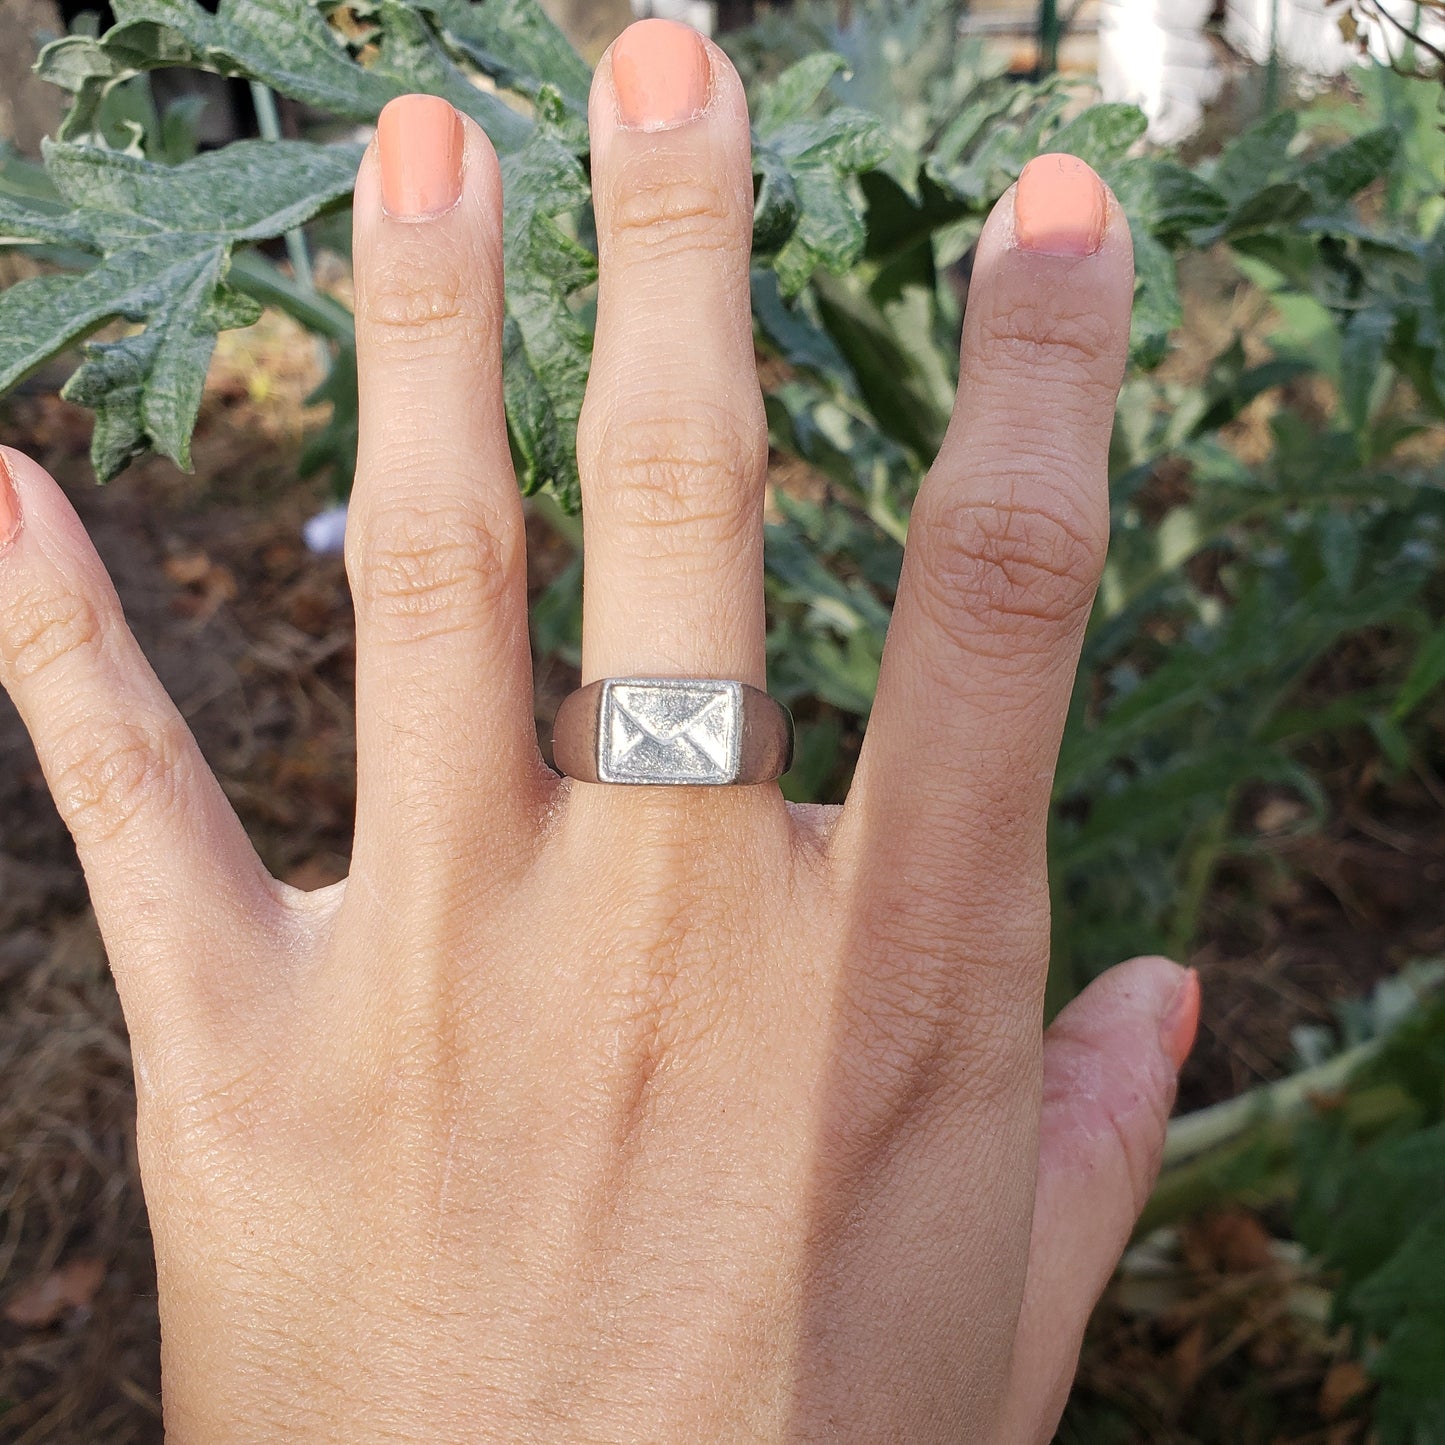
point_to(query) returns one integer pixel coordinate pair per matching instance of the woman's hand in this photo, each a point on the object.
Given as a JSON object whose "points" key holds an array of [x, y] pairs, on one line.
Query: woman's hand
{"points": [[607, 1114]]}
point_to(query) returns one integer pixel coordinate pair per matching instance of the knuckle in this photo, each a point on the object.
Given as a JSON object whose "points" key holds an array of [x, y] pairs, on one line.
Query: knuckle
{"points": [[431, 571], [942, 1006], [418, 300], [103, 781], [654, 470], [672, 213], [45, 625], [1076, 344], [1030, 568]]}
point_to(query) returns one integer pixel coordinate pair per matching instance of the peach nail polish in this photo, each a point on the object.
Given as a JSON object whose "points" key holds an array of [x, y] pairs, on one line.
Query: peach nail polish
{"points": [[1181, 1021], [419, 141], [1060, 207], [660, 74], [9, 503]]}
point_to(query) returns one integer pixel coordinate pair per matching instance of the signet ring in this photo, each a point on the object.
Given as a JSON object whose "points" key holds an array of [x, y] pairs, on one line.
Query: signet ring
{"points": [[670, 730]]}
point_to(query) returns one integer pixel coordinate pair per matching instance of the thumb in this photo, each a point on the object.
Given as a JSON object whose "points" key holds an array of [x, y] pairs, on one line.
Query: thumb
{"points": [[1111, 1064]]}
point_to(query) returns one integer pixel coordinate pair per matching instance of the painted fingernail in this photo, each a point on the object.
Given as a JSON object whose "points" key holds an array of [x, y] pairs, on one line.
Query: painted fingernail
{"points": [[1181, 1020], [419, 140], [660, 74], [9, 503], [1060, 207]]}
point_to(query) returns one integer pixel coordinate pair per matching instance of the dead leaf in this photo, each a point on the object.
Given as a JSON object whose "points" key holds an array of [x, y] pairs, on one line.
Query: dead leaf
{"points": [[1344, 1382], [1277, 814], [208, 584], [1188, 1358], [1237, 1241], [187, 569], [39, 1304]]}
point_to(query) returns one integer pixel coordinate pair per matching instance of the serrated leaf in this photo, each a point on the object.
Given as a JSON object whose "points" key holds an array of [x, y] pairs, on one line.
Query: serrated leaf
{"points": [[288, 46], [1345, 170], [514, 42], [1363, 342], [976, 163], [162, 236], [1158, 310], [1255, 159], [545, 347], [808, 212], [1102, 135], [1172, 201], [795, 92], [1268, 209]]}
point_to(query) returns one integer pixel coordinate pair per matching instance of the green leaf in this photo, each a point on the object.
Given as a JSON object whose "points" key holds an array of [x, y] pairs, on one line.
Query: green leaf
{"points": [[1257, 159], [332, 450], [808, 212], [545, 347], [515, 43], [1102, 135], [1268, 208], [795, 92], [1345, 170], [1363, 342], [162, 236], [1427, 674], [286, 44], [1179, 202], [1158, 310]]}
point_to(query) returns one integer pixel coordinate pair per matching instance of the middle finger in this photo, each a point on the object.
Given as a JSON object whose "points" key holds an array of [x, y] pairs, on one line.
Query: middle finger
{"points": [[672, 442]]}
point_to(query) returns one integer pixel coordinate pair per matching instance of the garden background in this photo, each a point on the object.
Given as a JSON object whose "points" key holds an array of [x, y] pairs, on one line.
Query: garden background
{"points": [[1252, 775]]}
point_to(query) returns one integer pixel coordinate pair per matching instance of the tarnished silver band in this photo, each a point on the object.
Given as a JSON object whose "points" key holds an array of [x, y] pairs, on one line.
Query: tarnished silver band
{"points": [[670, 730]]}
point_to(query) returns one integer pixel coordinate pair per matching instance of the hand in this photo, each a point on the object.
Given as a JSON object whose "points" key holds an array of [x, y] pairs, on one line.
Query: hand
{"points": [[606, 1114]]}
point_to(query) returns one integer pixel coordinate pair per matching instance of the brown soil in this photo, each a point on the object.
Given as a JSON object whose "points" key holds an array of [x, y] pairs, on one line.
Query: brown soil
{"points": [[253, 638]]}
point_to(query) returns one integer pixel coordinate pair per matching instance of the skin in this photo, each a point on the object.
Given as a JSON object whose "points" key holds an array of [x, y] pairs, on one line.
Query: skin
{"points": [[595, 1114]]}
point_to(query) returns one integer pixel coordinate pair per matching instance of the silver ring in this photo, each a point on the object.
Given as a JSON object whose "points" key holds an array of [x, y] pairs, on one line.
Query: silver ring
{"points": [[696, 730]]}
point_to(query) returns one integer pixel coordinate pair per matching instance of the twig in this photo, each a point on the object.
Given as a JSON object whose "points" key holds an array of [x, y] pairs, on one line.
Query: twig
{"points": [[269, 123], [1381, 12]]}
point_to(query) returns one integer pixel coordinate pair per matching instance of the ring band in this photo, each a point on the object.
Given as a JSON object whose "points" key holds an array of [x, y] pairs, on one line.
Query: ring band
{"points": [[669, 730]]}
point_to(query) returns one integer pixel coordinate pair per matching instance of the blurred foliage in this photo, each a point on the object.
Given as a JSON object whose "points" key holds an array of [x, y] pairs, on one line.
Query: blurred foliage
{"points": [[1234, 568], [1372, 1209], [139, 238]]}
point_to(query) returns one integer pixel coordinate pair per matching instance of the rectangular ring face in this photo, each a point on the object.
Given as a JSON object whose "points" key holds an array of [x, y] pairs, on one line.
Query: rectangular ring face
{"points": [[665, 731]]}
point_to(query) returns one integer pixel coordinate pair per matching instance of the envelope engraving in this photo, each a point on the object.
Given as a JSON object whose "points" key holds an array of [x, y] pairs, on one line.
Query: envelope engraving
{"points": [[669, 732]]}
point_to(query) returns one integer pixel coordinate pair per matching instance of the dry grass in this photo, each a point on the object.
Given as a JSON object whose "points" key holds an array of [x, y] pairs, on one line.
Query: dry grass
{"points": [[70, 1191]]}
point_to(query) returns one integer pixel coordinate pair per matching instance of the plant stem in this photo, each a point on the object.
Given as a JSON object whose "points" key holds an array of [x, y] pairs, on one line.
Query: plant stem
{"points": [[1198, 1133], [1049, 29], [253, 274], [268, 121], [1200, 872], [1241, 1148], [1272, 68], [567, 525]]}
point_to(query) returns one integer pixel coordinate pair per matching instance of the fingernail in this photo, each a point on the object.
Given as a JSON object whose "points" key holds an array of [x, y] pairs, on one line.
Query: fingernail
{"points": [[419, 140], [9, 503], [660, 75], [1181, 1021], [1060, 207]]}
